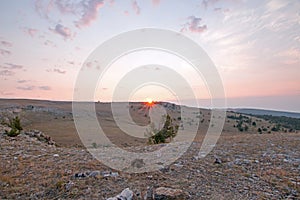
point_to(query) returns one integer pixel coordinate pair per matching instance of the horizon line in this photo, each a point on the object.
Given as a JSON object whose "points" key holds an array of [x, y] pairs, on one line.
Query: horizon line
{"points": [[203, 107]]}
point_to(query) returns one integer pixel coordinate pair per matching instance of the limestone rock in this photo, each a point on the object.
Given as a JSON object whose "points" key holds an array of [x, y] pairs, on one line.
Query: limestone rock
{"points": [[126, 194]]}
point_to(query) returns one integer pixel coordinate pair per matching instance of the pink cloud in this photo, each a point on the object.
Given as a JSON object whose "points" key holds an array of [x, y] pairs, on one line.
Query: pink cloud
{"points": [[6, 73], [111, 2], [85, 11], [89, 64], [136, 7], [62, 31], [44, 9], [4, 52], [30, 31], [155, 2], [65, 7], [194, 25], [90, 12], [6, 44]]}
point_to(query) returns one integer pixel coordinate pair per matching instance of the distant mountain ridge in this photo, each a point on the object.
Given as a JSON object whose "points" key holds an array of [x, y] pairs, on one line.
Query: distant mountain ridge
{"points": [[253, 111]]}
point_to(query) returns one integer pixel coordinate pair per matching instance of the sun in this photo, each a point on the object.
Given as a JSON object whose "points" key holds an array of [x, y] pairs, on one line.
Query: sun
{"points": [[149, 102]]}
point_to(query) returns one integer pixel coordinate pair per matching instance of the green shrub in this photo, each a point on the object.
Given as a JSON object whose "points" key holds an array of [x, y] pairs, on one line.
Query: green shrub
{"points": [[13, 132], [259, 130], [168, 131], [16, 127]]}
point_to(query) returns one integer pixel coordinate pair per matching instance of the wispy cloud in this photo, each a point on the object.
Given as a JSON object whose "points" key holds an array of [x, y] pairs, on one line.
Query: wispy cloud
{"points": [[4, 52], [12, 66], [9, 69], [23, 81], [30, 31], [85, 11], [276, 5], [32, 87], [194, 25], [136, 7], [44, 88], [155, 2], [59, 71], [42, 8], [66, 7], [90, 12], [6, 72], [111, 2], [6, 93], [290, 56], [26, 88], [207, 3], [6, 43], [71, 62], [49, 43], [63, 31], [92, 64]]}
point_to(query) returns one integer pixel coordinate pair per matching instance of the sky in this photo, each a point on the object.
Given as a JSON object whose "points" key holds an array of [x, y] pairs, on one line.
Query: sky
{"points": [[254, 44]]}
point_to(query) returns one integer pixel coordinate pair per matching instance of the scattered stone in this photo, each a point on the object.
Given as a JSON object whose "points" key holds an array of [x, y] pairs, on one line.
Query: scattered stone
{"points": [[178, 165], [40, 136], [164, 193], [149, 194], [55, 155], [110, 174], [137, 163], [114, 174], [69, 185], [195, 157], [164, 169], [242, 161], [80, 175], [126, 194], [96, 174], [218, 160]]}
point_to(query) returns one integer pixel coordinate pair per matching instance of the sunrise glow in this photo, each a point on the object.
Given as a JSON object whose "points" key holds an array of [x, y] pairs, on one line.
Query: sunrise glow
{"points": [[149, 102], [253, 44]]}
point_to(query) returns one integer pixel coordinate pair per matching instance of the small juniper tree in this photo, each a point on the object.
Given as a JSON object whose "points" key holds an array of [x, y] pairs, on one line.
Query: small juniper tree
{"points": [[168, 131], [15, 125], [259, 130]]}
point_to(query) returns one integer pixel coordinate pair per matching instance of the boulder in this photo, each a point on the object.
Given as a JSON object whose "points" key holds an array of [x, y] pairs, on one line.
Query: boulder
{"points": [[126, 194]]}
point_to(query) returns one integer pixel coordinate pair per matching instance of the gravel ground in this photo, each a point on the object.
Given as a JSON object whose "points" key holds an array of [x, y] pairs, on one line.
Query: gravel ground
{"points": [[241, 166]]}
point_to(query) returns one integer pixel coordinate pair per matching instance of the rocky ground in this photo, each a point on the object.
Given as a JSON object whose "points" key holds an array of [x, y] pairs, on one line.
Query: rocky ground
{"points": [[244, 166], [53, 164]]}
